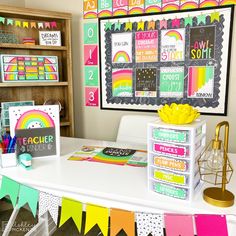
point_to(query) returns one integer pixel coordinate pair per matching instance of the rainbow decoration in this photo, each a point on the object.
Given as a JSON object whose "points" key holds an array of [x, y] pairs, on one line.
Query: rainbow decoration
{"points": [[90, 15], [10, 68], [184, 5], [227, 2], [32, 117], [198, 77], [50, 68], [121, 57], [206, 3], [120, 12], [104, 13], [174, 34], [153, 8], [51, 77], [136, 10], [10, 77], [122, 83]]}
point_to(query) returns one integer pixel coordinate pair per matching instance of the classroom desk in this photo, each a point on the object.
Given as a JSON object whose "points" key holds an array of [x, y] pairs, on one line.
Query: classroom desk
{"points": [[123, 187]]}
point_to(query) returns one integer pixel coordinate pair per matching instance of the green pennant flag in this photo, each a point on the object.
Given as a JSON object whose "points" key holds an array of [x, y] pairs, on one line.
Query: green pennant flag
{"points": [[71, 209], [10, 22], [201, 18], [188, 21], [117, 25], [2, 19], [11, 188], [108, 25], [30, 196]]}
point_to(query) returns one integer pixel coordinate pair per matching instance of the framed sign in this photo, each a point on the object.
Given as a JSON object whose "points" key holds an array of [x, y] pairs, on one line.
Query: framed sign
{"points": [[50, 38], [151, 60]]}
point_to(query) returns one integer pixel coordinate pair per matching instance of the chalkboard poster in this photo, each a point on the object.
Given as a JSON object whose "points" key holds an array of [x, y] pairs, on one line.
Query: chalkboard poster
{"points": [[150, 60]]}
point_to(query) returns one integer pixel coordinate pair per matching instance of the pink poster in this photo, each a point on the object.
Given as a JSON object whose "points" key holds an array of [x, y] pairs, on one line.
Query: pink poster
{"points": [[120, 7], [146, 46], [91, 97], [90, 55], [174, 225], [211, 225]]}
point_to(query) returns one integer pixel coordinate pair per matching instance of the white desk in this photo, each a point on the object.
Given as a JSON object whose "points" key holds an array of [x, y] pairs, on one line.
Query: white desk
{"points": [[107, 185]]}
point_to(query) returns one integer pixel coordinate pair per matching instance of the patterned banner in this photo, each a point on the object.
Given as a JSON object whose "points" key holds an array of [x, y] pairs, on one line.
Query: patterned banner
{"points": [[97, 215], [122, 220], [71, 209], [30, 196], [11, 188]]}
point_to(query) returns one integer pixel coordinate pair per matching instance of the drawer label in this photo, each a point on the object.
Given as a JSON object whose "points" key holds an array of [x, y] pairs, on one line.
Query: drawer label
{"points": [[170, 135], [170, 177], [170, 150], [170, 163]]}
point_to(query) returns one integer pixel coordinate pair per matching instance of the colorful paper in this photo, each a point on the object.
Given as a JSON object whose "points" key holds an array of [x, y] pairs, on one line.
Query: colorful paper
{"points": [[90, 33], [136, 7], [30, 196], [90, 8], [152, 6], [91, 97], [170, 5], [174, 225], [119, 220], [91, 75], [146, 45], [172, 82], [104, 8], [90, 55], [9, 188], [97, 215], [201, 82], [122, 83], [148, 223], [50, 203], [211, 225], [71, 209], [120, 7]]}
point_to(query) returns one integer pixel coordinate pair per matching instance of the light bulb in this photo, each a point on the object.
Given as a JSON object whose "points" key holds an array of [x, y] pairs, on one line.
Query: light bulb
{"points": [[215, 160]]}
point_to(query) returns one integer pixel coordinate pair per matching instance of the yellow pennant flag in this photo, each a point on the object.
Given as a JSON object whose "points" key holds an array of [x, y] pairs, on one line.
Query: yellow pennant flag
{"points": [[215, 16], [128, 26], [140, 25], [97, 215], [122, 220], [18, 23], [71, 209], [25, 24]]}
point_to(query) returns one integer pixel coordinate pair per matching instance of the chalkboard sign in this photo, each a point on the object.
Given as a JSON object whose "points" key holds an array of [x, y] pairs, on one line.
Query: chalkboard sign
{"points": [[150, 60]]}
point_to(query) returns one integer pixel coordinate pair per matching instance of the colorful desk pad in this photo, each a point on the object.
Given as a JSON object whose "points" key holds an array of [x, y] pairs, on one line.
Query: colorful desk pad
{"points": [[111, 155]]}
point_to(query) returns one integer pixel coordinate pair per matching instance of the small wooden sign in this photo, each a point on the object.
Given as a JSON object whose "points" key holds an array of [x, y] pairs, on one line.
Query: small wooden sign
{"points": [[50, 38]]}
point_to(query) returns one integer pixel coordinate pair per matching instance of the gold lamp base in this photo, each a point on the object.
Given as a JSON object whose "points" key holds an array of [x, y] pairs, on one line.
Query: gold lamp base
{"points": [[216, 197]]}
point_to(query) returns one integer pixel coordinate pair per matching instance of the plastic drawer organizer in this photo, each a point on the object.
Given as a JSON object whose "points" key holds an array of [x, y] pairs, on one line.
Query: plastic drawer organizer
{"points": [[173, 151]]}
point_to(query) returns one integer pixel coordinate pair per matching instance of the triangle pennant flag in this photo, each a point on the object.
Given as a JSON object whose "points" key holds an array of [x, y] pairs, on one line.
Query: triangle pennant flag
{"points": [[174, 225], [201, 18], [188, 21], [108, 25], [47, 25], [18, 23], [151, 25], [211, 225], [215, 16], [30, 196], [50, 203], [128, 26], [122, 220], [71, 209], [163, 24], [117, 25], [33, 25], [97, 215], [25, 24], [2, 19], [40, 25], [176, 23], [148, 223], [11, 188], [53, 24], [10, 22], [140, 25]]}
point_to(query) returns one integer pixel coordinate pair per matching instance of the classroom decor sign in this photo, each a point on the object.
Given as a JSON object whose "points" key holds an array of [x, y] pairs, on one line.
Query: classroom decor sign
{"points": [[37, 130], [151, 60]]}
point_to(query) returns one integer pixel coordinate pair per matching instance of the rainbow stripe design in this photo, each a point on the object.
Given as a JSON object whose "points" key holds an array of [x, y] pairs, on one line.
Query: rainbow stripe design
{"points": [[50, 68], [10, 68], [188, 5], [10, 77], [34, 117], [198, 78], [170, 7], [12, 60], [121, 57], [227, 2], [136, 10], [175, 34], [206, 3], [153, 8], [122, 83], [51, 77], [104, 13], [90, 15], [120, 12]]}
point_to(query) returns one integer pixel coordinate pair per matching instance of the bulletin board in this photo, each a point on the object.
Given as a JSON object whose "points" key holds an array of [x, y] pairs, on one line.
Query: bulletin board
{"points": [[151, 60]]}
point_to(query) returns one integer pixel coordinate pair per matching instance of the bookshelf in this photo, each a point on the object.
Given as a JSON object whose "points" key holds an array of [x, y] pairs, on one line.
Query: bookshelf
{"points": [[39, 91]]}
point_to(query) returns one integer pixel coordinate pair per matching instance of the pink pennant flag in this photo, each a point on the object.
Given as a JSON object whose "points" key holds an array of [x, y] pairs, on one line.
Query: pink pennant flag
{"points": [[47, 25], [176, 23], [54, 24], [163, 24], [211, 225], [174, 225]]}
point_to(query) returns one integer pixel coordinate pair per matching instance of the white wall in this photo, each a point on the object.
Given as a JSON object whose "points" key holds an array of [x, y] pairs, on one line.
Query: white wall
{"points": [[99, 124], [17, 3]]}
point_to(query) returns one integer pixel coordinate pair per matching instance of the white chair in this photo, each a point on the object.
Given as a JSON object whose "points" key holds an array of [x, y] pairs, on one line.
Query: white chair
{"points": [[133, 129]]}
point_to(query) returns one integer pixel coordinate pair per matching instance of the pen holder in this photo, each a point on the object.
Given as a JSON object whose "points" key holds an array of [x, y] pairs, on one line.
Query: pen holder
{"points": [[8, 158]]}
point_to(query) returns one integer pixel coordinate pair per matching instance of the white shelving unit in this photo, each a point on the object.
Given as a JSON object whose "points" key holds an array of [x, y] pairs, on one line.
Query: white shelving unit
{"points": [[173, 151]]}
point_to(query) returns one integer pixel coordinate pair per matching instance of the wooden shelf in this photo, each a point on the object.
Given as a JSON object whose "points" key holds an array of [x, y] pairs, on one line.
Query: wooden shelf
{"points": [[33, 47], [64, 123], [32, 84]]}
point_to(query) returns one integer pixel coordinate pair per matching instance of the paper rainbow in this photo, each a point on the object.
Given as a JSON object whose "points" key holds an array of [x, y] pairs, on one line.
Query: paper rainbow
{"points": [[34, 116], [174, 34], [121, 57], [90, 15], [136, 10], [189, 5], [153, 8], [211, 3], [170, 7], [119, 12], [105, 13], [227, 2]]}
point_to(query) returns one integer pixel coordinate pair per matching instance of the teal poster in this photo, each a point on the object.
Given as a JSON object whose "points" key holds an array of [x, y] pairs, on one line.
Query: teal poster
{"points": [[90, 33]]}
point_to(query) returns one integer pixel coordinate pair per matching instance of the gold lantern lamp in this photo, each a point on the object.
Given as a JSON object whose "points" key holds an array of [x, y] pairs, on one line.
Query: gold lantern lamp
{"points": [[215, 168]]}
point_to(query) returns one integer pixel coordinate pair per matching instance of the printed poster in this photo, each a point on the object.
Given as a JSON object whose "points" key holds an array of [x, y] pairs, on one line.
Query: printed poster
{"points": [[91, 75], [146, 46], [90, 9], [122, 48], [146, 82], [136, 7], [91, 97], [90, 55], [173, 45], [90, 33], [171, 81], [104, 8], [202, 43], [120, 7], [122, 83]]}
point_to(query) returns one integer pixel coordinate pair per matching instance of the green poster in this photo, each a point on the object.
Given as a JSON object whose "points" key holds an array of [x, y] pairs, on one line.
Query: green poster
{"points": [[171, 81], [152, 3], [91, 75], [90, 33], [104, 5]]}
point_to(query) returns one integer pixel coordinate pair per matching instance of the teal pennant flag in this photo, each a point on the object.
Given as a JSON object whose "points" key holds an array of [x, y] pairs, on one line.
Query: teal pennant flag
{"points": [[117, 25], [2, 19], [201, 18], [188, 21], [30, 196], [108, 25], [10, 22], [11, 188]]}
